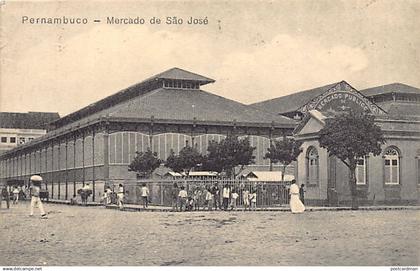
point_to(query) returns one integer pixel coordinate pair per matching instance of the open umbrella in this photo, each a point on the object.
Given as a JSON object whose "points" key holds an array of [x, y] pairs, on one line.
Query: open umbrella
{"points": [[36, 178]]}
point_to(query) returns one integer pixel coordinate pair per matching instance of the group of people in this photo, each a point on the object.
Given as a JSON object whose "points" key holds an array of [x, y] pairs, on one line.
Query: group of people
{"points": [[13, 194], [20, 192], [211, 197], [208, 197], [107, 197]]}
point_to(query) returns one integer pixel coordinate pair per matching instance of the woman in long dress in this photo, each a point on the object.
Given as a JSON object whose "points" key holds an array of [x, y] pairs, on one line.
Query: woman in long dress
{"points": [[295, 204]]}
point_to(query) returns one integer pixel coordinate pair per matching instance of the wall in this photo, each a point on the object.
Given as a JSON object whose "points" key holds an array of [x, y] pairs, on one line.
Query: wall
{"points": [[315, 193]]}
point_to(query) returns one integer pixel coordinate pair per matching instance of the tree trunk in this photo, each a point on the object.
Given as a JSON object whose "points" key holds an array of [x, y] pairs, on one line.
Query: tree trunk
{"points": [[353, 189]]}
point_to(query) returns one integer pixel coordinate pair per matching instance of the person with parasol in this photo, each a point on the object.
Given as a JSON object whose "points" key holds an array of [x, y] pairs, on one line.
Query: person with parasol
{"points": [[35, 192]]}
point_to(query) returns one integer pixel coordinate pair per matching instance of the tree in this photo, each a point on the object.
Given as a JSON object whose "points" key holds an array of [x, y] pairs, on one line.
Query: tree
{"points": [[284, 151], [173, 162], [187, 159], [351, 136], [145, 163], [228, 154]]}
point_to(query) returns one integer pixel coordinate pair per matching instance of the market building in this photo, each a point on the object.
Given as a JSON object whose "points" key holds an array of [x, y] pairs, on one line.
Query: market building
{"points": [[390, 178], [165, 112]]}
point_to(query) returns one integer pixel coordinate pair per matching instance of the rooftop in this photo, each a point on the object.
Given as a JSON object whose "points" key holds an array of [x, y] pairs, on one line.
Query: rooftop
{"points": [[175, 105], [30, 120], [390, 88], [143, 87], [180, 74], [292, 102]]}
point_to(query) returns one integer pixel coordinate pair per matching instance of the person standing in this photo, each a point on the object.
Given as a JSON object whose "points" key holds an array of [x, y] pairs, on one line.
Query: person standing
{"points": [[245, 196], [302, 193], [85, 193], [197, 198], [183, 196], [216, 195], [209, 199], [296, 205], [108, 195], [145, 195], [35, 200], [253, 199], [15, 195], [174, 196], [120, 197], [226, 196], [233, 200], [5, 194]]}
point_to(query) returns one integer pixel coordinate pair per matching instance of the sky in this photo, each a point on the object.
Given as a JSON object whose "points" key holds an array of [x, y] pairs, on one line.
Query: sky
{"points": [[255, 50]]}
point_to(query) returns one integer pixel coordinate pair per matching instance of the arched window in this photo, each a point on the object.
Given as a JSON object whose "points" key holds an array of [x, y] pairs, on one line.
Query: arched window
{"points": [[361, 171], [392, 166], [312, 166]]}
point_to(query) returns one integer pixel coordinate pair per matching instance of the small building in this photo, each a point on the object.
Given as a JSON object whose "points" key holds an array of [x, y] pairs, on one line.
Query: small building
{"points": [[19, 128], [269, 176], [390, 178], [203, 174]]}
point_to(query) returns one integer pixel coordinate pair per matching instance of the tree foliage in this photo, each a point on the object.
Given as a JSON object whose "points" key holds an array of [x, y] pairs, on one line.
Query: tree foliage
{"points": [[349, 137], [284, 151], [229, 153], [145, 163], [187, 159]]}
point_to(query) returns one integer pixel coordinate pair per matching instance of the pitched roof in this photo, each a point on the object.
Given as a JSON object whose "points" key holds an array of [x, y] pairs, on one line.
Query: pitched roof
{"points": [[402, 110], [174, 105], [292, 102], [312, 114], [132, 91], [199, 105], [30, 120], [180, 74], [390, 88]]}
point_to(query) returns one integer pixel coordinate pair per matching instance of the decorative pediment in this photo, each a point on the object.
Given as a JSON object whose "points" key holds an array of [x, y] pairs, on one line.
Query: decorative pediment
{"points": [[342, 97]]}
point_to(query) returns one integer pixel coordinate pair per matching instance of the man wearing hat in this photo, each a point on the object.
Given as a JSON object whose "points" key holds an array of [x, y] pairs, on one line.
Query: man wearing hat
{"points": [[35, 191]]}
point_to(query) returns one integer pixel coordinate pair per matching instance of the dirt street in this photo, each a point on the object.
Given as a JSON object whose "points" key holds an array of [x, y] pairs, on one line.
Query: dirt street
{"points": [[75, 235]]}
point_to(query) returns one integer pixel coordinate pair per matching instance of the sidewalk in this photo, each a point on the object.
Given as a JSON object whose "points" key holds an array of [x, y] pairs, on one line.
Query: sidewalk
{"points": [[284, 208]]}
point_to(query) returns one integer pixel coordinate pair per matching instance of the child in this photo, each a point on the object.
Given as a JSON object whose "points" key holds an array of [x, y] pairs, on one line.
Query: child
{"points": [[190, 203], [233, 201], [245, 196], [73, 200], [183, 196], [302, 193], [108, 192], [209, 199], [103, 198], [145, 195], [253, 199]]}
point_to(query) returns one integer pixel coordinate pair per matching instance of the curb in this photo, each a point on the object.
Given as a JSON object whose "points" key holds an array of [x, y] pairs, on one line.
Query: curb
{"points": [[308, 209], [138, 209]]}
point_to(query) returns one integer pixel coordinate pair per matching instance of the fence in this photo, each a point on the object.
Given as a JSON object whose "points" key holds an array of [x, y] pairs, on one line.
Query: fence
{"points": [[268, 193]]}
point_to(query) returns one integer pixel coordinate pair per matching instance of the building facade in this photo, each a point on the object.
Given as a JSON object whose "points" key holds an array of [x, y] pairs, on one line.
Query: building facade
{"points": [[390, 178], [19, 128], [163, 113]]}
